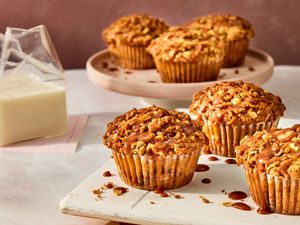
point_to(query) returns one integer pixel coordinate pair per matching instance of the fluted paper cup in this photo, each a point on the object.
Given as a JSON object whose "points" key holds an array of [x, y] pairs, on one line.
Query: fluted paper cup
{"points": [[132, 57], [149, 172], [186, 72], [224, 138], [279, 194], [235, 52]]}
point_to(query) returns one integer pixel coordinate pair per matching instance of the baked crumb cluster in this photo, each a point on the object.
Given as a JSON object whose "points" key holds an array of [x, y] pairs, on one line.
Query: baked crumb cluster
{"points": [[228, 27], [236, 103], [154, 131], [182, 44], [134, 30], [276, 151]]}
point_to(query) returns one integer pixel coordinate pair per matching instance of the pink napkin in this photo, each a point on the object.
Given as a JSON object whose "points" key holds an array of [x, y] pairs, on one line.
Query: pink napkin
{"points": [[63, 144]]}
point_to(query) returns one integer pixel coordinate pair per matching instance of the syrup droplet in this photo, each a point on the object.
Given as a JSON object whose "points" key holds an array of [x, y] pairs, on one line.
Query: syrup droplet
{"points": [[230, 161], [202, 168], [241, 206], [206, 181], [213, 158], [237, 195], [264, 210]]}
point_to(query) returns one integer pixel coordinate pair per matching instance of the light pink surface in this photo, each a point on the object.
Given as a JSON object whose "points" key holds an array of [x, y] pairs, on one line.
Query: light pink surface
{"points": [[63, 144]]}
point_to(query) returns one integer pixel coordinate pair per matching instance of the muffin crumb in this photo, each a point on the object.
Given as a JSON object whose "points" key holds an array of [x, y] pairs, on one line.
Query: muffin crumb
{"points": [[120, 191], [204, 199], [251, 68], [107, 174]]}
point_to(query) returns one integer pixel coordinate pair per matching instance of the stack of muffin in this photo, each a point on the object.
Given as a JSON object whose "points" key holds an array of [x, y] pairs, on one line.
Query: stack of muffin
{"points": [[191, 53], [158, 148]]}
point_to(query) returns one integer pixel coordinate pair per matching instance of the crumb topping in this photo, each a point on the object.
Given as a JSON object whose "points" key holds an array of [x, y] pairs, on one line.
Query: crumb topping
{"points": [[181, 44], [236, 103], [154, 131], [227, 27], [134, 30], [276, 151]]}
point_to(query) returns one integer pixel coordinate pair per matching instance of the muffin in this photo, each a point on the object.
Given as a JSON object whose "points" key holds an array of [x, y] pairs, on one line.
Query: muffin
{"points": [[184, 55], [153, 147], [128, 37], [272, 165], [235, 31], [229, 111]]}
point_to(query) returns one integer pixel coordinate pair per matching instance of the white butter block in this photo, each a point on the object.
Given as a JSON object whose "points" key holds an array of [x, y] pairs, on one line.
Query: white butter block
{"points": [[31, 109]]}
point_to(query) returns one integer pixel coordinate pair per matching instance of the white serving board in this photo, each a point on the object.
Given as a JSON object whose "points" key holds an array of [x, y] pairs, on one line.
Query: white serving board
{"points": [[135, 206]]}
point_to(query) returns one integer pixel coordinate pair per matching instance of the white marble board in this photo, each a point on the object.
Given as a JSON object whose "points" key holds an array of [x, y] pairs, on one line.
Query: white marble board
{"points": [[135, 206]]}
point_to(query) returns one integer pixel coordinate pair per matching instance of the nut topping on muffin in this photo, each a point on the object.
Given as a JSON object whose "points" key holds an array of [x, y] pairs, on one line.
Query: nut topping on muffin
{"points": [[228, 27], [182, 44], [154, 131], [134, 30], [236, 103], [276, 151]]}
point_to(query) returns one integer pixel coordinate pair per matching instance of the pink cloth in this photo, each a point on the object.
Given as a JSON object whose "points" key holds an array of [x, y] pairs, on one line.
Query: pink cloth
{"points": [[63, 144]]}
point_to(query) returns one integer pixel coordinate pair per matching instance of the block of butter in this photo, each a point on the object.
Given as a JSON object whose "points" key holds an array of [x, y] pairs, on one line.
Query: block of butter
{"points": [[30, 108]]}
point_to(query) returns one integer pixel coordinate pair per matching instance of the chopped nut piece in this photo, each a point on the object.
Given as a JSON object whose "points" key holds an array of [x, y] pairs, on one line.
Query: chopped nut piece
{"points": [[107, 174], [119, 191], [177, 196], [204, 200], [109, 185]]}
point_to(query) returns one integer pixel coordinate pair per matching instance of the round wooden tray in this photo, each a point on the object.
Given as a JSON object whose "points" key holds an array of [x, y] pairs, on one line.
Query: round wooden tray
{"points": [[257, 68]]}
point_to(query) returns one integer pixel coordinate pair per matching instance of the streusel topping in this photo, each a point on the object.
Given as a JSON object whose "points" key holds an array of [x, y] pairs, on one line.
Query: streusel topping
{"points": [[154, 131], [276, 151], [236, 103], [134, 30], [181, 44], [228, 27]]}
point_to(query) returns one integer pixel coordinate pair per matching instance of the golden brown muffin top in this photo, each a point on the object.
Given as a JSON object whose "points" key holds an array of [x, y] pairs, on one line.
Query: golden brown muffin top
{"points": [[134, 30], [154, 131], [236, 102], [276, 151], [181, 44], [228, 27]]}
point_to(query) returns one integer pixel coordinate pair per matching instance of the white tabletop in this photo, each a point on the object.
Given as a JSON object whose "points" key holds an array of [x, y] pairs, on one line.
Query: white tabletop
{"points": [[32, 184]]}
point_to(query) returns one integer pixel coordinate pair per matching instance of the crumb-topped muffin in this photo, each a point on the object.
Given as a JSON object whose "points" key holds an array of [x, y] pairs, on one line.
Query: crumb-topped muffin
{"points": [[272, 165], [154, 147], [184, 55], [230, 110], [235, 31], [128, 37]]}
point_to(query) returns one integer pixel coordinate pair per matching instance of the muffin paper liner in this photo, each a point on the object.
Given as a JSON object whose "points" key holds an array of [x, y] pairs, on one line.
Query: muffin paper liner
{"points": [[280, 194], [149, 172], [235, 52], [185, 72], [132, 57], [224, 138]]}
